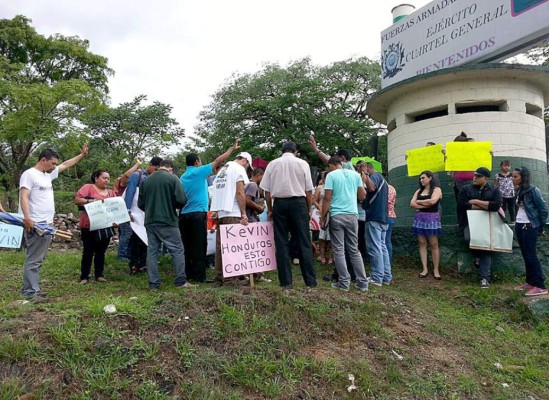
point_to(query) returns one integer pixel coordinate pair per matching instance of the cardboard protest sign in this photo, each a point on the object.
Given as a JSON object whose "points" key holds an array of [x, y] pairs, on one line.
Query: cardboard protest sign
{"points": [[103, 214], [10, 235], [377, 165], [429, 158], [468, 156], [247, 249], [489, 232]]}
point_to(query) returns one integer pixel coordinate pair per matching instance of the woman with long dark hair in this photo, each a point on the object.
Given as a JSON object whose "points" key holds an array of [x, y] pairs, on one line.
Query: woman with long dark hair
{"points": [[95, 244], [530, 220], [427, 224]]}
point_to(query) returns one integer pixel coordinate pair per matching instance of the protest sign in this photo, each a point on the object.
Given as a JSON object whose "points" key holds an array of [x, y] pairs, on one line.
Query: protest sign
{"points": [[10, 235], [377, 165], [468, 156], [104, 213], [429, 158], [138, 219], [488, 232], [247, 249]]}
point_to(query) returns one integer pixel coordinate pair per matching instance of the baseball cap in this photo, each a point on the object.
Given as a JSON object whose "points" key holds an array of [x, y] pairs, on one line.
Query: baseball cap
{"points": [[482, 171], [247, 156]]}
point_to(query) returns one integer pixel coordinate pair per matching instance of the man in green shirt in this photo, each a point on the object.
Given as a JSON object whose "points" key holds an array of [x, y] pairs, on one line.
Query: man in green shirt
{"points": [[159, 197]]}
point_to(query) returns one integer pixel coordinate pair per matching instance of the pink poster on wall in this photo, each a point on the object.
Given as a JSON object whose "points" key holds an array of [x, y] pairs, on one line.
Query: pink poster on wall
{"points": [[247, 249]]}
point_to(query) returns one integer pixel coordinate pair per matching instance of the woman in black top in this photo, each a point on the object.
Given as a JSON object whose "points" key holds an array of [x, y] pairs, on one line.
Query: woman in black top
{"points": [[427, 224]]}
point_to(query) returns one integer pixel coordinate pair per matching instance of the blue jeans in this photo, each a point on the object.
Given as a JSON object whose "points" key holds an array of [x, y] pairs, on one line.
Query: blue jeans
{"points": [[388, 235], [157, 234], [344, 236], [527, 238], [125, 232], [376, 234]]}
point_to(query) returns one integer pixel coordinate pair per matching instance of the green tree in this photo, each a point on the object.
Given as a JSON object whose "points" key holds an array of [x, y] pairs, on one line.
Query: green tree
{"points": [[46, 85], [539, 55], [278, 103], [121, 133]]}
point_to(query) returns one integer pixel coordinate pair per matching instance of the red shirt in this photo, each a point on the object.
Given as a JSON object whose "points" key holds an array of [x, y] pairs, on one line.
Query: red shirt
{"points": [[464, 175], [89, 190], [392, 201]]}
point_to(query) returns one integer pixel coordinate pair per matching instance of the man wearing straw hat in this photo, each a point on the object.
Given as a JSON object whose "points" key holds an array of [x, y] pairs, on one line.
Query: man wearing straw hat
{"points": [[36, 203]]}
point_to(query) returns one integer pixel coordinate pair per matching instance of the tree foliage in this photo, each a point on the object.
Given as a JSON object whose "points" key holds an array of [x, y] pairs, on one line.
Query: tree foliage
{"points": [[47, 84], [278, 103], [540, 55], [121, 133]]}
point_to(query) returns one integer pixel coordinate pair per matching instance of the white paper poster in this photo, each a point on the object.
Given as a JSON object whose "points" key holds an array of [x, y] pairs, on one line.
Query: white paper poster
{"points": [[489, 232], [138, 216], [104, 213]]}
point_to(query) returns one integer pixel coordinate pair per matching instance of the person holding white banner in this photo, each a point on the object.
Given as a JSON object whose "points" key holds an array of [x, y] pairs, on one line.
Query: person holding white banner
{"points": [[37, 205], [126, 233], [95, 244], [478, 196]]}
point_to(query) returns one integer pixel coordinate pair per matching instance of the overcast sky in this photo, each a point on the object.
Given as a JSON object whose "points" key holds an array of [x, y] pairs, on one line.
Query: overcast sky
{"points": [[181, 51]]}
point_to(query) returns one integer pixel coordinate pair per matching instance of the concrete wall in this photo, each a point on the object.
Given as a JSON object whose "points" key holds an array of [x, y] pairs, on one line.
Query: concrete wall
{"points": [[406, 186], [517, 131]]}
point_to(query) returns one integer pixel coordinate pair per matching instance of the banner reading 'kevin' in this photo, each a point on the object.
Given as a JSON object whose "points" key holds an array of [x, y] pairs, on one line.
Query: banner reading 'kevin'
{"points": [[247, 249]]}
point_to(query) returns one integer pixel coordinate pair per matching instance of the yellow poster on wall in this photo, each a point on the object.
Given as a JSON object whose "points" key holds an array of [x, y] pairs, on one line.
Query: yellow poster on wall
{"points": [[430, 158], [468, 156]]}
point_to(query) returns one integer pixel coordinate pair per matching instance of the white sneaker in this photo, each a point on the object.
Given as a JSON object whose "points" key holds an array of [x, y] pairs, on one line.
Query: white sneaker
{"points": [[263, 279], [296, 261], [372, 282], [186, 285], [484, 284]]}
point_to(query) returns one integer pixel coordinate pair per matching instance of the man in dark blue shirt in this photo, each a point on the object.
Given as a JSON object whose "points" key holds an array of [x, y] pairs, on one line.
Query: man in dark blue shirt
{"points": [[126, 234], [377, 223]]}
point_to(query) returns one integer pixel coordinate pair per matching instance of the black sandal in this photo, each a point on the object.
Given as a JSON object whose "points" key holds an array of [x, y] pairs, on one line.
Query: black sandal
{"points": [[423, 276]]}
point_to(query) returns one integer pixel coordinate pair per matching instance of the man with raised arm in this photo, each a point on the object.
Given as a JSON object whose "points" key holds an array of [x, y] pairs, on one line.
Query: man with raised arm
{"points": [[193, 217], [37, 204], [229, 202]]}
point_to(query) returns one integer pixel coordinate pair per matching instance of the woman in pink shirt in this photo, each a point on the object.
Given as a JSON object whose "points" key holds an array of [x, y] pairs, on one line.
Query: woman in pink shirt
{"points": [[95, 245]]}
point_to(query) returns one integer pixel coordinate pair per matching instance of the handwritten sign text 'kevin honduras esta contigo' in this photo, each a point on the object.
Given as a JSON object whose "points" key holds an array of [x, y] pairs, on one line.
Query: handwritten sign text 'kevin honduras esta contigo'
{"points": [[247, 249]]}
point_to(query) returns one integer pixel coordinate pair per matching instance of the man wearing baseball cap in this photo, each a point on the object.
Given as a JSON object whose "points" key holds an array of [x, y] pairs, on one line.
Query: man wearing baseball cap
{"points": [[478, 196], [229, 201]]}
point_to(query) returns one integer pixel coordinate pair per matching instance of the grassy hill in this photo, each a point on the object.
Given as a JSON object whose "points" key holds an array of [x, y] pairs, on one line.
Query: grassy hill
{"points": [[416, 339]]}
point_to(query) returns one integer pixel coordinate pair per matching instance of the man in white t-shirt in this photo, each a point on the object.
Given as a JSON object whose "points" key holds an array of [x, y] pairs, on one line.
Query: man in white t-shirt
{"points": [[36, 202], [229, 201]]}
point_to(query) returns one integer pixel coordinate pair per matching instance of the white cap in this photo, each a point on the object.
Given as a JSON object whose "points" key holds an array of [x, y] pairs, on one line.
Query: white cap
{"points": [[247, 156]]}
